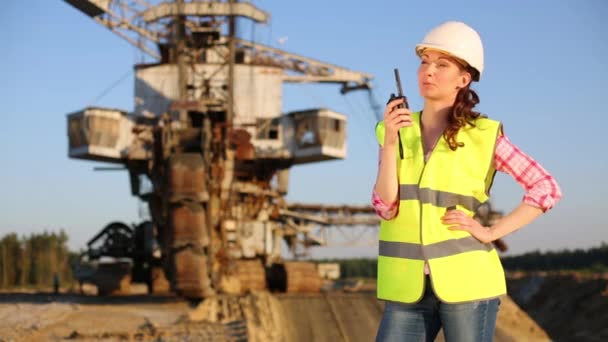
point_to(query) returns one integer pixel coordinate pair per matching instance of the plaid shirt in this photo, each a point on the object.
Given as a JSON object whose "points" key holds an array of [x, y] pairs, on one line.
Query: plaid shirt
{"points": [[542, 191]]}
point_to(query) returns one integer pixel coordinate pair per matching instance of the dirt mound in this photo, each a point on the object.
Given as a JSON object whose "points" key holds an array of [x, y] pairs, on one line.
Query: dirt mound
{"points": [[260, 312], [514, 324], [332, 317], [570, 307], [335, 316], [297, 317], [40, 317], [260, 316]]}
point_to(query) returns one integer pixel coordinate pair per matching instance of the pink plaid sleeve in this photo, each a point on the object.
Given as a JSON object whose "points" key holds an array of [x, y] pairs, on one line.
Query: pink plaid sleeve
{"points": [[386, 211], [541, 188]]}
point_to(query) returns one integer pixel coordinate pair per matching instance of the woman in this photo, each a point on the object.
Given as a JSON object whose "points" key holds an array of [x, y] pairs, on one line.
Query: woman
{"points": [[436, 264]]}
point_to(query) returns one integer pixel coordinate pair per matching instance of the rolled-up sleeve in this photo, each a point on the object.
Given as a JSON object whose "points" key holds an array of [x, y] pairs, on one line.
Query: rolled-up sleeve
{"points": [[386, 211], [542, 190]]}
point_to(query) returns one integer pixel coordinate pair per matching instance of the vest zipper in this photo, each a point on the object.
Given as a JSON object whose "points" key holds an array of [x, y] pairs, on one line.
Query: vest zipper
{"points": [[425, 162]]}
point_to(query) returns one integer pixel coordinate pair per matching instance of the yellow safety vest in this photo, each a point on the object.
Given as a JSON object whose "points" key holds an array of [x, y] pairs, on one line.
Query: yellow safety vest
{"points": [[462, 268]]}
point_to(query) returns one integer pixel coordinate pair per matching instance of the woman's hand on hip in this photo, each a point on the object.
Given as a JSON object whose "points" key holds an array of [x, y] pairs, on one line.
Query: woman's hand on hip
{"points": [[458, 220]]}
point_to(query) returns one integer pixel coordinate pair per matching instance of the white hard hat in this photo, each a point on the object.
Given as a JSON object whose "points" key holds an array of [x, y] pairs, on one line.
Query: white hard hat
{"points": [[456, 39]]}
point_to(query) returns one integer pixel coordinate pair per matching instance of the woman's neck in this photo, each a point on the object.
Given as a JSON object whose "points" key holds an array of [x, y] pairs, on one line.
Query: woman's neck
{"points": [[436, 113]]}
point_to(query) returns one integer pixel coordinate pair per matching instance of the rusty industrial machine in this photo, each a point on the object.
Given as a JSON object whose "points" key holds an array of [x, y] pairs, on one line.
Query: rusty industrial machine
{"points": [[208, 150]]}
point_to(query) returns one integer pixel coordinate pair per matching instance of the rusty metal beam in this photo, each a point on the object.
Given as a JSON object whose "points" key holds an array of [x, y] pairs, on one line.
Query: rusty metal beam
{"points": [[317, 71], [314, 207], [201, 9]]}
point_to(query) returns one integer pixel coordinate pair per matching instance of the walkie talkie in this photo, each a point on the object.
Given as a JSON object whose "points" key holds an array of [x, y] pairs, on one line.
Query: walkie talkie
{"points": [[403, 105]]}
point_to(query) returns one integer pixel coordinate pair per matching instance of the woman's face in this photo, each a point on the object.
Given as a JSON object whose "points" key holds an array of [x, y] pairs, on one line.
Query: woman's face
{"points": [[440, 76]]}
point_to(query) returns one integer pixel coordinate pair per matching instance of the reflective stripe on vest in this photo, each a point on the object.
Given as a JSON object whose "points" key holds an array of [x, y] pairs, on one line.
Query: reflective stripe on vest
{"points": [[436, 197], [441, 249], [462, 268]]}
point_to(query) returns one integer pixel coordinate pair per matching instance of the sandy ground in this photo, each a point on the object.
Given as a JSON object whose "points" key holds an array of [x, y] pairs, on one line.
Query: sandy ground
{"points": [[40, 317], [332, 316]]}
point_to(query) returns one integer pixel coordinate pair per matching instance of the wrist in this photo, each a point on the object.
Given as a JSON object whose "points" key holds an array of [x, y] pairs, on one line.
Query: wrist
{"points": [[492, 234]]}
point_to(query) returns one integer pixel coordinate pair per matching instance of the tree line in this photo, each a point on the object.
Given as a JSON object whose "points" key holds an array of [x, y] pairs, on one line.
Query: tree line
{"points": [[593, 259], [34, 260]]}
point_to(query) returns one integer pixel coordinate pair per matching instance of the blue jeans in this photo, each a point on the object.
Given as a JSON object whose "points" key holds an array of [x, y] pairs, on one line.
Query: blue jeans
{"points": [[466, 322]]}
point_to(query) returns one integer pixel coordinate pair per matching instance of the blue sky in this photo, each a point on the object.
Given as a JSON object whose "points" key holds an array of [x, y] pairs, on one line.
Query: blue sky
{"points": [[544, 79]]}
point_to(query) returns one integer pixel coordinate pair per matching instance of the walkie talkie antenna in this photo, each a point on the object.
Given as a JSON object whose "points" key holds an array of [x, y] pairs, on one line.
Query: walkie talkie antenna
{"points": [[398, 80], [405, 104], [400, 89]]}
